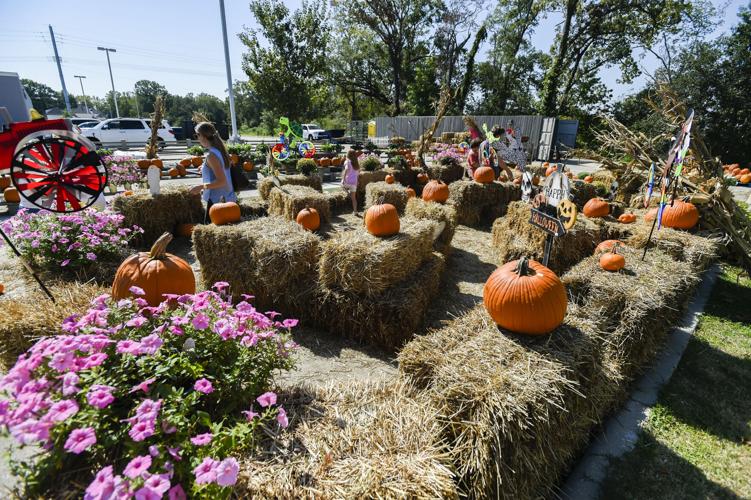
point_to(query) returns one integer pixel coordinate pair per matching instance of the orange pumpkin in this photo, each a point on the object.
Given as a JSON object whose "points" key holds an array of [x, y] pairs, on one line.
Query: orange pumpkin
{"points": [[197, 161], [127, 193], [627, 218], [588, 179], [596, 207], [503, 177], [4, 182], [682, 215], [11, 195], [436, 191], [234, 159], [309, 219], [389, 179], [607, 245], [525, 297], [325, 162], [224, 213], [518, 181], [186, 162], [411, 193], [184, 230], [2, 289], [173, 172], [181, 171], [612, 261], [535, 180], [156, 272], [422, 178], [337, 162], [736, 171], [484, 175], [143, 164], [550, 170], [745, 179], [157, 163], [382, 220], [248, 166], [744, 171]]}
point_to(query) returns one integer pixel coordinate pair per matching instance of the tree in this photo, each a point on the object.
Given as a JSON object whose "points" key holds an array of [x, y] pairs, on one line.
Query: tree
{"points": [[247, 105], [285, 71], [146, 91], [44, 97]]}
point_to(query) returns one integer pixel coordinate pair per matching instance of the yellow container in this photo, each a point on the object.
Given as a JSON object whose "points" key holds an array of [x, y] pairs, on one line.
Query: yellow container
{"points": [[371, 129]]}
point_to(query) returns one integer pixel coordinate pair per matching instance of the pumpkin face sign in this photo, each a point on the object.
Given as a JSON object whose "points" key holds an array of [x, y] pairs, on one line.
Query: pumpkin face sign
{"points": [[567, 213], [382, 220], [436, 191], [525, 297]]}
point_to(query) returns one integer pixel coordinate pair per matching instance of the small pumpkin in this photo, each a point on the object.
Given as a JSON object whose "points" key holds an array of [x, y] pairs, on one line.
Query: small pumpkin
{"points": [[525, 297], [127, 193], [157, 163], [612, 261], [2, 289], [173, 172], [411, 193], [224, 213], [628, 218], [337, 162], [607, 245], [535, 180], [744, 171], [12, 195], [736, 171], [197, 161], [436, 191], [681, 215], [248, 166], [4, 182], [503, 177], [596, 207], [143, 164], [745, 179], [186, 162], [234, 159], [518, 181], [181, 170], [309, 219], [589, 179], [156, 272], [389, 179], [550, 170], [382, 220], [325, 162], [422, 178], [484, 175], [185, 230]]}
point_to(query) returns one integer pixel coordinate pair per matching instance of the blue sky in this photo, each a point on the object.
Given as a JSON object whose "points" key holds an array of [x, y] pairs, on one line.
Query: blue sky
{"points": [[177, 43]]}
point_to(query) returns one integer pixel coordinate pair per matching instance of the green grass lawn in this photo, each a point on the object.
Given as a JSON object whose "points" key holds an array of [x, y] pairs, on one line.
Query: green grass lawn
{"points": [[696, 442]]}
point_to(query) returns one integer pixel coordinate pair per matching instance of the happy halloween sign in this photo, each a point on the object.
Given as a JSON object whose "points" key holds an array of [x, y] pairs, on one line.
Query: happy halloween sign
{"points": [[547, 223]]}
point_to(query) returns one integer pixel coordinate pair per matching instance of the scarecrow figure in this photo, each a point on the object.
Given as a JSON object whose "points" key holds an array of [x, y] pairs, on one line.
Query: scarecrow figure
{"points": [[509, 148]]}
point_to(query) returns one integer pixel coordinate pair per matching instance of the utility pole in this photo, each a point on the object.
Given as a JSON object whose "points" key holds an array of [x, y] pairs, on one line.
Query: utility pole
{"points": [[235, 137], [135, 96], [80, 79], [60, 69], [112, 81]]}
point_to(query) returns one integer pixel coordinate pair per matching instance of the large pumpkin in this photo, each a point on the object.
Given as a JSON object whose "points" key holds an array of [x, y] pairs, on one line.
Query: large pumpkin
{"points": [[4, 182], [745, 179], [156, 272], [382, 220], [309, 219], [197, 161], [484, 175], [525, 297], [181, 170], [627, 218], [143, 164], [325, 162], [11, 195], [436, 191], [173, 172], [596, 207], [224, 213], [682, 215]]}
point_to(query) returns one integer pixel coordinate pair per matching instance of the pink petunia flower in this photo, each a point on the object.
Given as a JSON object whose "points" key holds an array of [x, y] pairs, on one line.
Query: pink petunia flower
{"points": [[281, 417], [141, 430], [202, 439], [267, 399], [70, 380], [80, 440], [177, 493], [62, 410], [129, 347], [226, 472], [200, 322], [158, 483], [143, 386], [250, 414], [205, 472], [137, 466], [136, 290], [203, 385], [150, 344], [103, 485], [136, 322]]}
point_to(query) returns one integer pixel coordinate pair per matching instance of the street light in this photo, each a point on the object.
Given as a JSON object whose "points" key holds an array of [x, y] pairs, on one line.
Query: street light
{"points": [[109, 65], [80, 79], [233, 118]]}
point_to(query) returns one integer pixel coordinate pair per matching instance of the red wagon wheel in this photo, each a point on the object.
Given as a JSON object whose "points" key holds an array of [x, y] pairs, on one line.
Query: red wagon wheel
{"points": [[58, 174]]}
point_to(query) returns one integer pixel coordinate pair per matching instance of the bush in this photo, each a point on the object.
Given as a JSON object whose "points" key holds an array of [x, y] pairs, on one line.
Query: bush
{"points": [[370, 162], [123, 170], [397, 142], [582, 175], [602, 188], [196, 150], [104, 152], [397, 162], [52, 241], [146, 399], [263, 149], [447, 154], [306, 166], [370, 146]]}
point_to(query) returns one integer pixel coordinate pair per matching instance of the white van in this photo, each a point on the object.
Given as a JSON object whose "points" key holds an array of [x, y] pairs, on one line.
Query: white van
{"points": [[131, 130]]}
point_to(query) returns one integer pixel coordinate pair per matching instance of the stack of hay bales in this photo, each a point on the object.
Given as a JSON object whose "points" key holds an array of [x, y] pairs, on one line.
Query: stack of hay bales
{"points": [[253, 207], [396, 194], [481, 203], [446, 173], [443, 214], [366, 178], [514, 236], [698, 251], [603, 176], [378, 289], [352, 441], [271, 258], [158, 214], [287, 202], [312, 181]]}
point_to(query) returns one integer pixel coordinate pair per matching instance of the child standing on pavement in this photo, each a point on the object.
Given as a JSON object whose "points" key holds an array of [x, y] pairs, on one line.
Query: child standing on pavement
{"points": [[349, 177]]}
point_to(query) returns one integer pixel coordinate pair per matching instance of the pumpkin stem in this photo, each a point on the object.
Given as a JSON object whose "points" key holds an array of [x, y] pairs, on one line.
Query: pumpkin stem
{"points": [[159, 248], [522, 267]]}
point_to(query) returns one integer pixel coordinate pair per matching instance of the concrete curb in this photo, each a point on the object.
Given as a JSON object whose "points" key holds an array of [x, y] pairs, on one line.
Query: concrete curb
{"points": [[622, 430]]}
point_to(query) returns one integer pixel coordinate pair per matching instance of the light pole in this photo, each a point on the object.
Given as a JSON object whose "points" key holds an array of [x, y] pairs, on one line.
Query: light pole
{"points": [[60, 70], [235, 137], [80, 79], [112, 81]]}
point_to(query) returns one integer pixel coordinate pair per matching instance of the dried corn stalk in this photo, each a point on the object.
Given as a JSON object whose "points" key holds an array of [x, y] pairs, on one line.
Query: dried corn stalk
{"points": [[156, 120]]}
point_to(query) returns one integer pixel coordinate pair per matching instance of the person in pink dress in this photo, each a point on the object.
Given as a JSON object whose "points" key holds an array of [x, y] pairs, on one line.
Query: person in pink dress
{"points": [[349, 177]]}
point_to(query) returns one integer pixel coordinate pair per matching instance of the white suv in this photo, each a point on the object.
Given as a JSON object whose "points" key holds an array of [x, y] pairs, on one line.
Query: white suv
{"points": [[313, 132], [130, 130]]}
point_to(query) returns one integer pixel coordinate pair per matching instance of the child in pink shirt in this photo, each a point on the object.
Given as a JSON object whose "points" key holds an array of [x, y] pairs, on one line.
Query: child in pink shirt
{"points": [[350, 176]]}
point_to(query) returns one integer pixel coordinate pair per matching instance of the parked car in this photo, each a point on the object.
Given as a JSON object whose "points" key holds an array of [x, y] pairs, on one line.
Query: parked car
{"points": [[130, 130], [82, 121], [313, 132], [88, 124]]}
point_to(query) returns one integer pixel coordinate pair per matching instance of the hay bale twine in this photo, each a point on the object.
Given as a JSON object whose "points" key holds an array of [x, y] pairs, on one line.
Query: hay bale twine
{"points": [[396, 194], [311, 181], [288, 200], [441, 213]]}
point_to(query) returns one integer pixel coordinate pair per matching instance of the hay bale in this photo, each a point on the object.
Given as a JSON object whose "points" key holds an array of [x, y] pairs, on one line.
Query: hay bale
{"points": [[311, 181], [514, 236], [446, 173], [271, 258], [27, 317], [538, 170], [396, 194], [358, 262], [441, 213], [405, 177], [352, 441], [253, 207], [582, 192], [603, 176], [480, 203], [386, 320], [366, 178], [339, 201], [518, 408], [158, 214], [698, 251], [289, 200]]}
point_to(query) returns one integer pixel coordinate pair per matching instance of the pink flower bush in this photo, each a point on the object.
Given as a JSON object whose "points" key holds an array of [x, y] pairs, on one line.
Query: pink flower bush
{"points": [[447, 154], [115, 403], [123, 170], [53, 241]]}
